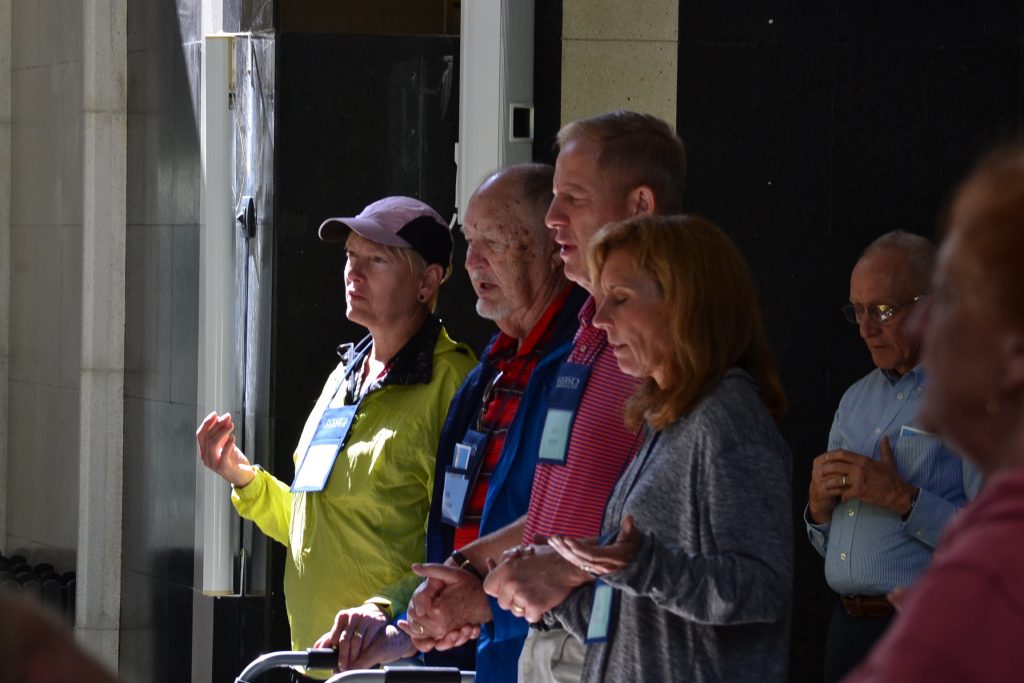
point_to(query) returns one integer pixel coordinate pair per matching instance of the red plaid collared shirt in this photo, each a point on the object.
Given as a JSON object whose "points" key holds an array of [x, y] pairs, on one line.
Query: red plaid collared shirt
{"points": [[514, 364]]}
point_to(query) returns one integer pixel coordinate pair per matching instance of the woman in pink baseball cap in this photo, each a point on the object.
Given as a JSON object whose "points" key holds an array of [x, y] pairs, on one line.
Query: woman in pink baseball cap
{"points": [[353, 517]]}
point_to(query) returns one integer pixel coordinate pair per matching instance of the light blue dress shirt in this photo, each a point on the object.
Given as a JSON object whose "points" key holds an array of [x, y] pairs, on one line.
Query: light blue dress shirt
{"points": [[870, 550]]}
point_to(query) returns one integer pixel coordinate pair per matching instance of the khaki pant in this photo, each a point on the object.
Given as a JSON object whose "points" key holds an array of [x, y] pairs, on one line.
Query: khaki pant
{"points": [[551, 657]]}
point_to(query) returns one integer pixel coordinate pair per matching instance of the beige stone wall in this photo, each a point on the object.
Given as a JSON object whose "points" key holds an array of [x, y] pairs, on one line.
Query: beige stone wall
{"points": [[44, 77], [619, 55]]}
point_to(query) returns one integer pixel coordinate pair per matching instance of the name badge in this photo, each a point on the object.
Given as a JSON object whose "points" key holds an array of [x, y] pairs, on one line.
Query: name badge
{"points": [[562, 405], [460, 477], [318, 460], [908, 431], [601, 613]]}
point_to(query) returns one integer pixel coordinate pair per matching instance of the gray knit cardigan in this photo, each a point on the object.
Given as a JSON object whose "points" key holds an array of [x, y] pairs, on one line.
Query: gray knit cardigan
{"points": [[707, 596]]}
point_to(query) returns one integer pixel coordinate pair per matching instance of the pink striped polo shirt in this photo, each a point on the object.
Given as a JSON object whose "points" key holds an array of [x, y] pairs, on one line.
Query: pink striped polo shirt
{"points": [[570, 498]]}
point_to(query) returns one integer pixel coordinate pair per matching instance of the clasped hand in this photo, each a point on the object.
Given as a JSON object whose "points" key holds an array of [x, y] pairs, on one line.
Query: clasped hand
{"points": [[593, 558], [530, 581], [842, 475], [363, 638], [446, 610]]}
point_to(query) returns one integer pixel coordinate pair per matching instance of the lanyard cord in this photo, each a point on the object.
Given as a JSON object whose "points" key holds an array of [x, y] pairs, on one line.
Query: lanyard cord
{"points": [[356, 370], [493, 387]]}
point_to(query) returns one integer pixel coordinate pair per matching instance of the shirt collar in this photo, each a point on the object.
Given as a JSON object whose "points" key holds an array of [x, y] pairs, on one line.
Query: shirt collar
{"points": [[916, 375], [507, 346], [587, 311], [413, 364]]}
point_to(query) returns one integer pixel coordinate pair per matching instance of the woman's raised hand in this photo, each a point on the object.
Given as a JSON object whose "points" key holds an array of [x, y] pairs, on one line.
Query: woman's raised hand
{"points": [[218, 452]]}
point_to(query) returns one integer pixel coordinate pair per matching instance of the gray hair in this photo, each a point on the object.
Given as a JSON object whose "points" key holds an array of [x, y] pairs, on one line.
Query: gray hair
{"points": [[918, 250]]}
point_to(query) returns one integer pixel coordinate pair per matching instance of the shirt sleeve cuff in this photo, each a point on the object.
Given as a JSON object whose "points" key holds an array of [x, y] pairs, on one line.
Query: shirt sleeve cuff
{"points": [[254, 489], [816, 533], [929, 518]]}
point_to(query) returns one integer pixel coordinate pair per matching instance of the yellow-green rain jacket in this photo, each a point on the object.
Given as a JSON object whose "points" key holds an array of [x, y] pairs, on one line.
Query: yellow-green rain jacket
{"points": [[367, 526]]}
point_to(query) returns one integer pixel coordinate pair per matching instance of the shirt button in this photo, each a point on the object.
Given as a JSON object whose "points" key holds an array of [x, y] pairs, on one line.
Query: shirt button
{"points": [[900, 396], [842, 556], [851, 512], [583, 348], [878, 430], [920, 533]]}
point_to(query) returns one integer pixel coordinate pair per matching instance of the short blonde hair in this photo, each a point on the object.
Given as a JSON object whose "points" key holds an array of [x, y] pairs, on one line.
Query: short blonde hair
{"points": [[714, 319], [417, 264]]}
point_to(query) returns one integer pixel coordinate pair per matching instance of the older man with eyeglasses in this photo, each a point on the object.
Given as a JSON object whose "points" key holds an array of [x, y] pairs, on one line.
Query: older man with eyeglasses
{"points": [[882, 494]]}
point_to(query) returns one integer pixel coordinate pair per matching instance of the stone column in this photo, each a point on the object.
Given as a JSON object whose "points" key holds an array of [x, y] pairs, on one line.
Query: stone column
{"points": [[619, 55], [105, 136]]}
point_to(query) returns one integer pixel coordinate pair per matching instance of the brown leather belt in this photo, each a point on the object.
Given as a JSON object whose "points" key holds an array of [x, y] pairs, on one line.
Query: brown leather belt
{"points": [[866, 605]]}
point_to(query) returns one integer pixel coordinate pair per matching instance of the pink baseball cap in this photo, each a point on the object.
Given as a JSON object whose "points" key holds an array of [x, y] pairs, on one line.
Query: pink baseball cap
{"points": [[397, 222]]}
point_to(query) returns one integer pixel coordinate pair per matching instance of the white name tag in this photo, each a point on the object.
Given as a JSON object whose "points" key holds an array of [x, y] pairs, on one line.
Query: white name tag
{"points": [[316, 467], [600, 613], [318, 460], [456, 488]]}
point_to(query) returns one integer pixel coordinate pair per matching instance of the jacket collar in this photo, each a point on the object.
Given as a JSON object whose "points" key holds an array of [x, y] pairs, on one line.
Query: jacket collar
{"points": [[413, 364]]}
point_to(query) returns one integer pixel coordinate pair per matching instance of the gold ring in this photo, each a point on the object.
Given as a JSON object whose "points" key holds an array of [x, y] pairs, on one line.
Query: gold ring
{"points": [[518, 610], [422, 630], [844, 482], [357, 634]]}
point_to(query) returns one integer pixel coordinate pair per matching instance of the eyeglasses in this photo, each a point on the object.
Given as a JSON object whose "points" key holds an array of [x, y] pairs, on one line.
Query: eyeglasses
{"points": [[879, 313]]}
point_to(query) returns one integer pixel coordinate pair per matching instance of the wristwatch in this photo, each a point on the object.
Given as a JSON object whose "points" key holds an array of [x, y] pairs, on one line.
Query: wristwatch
{"points": [[462, 562], [913, 502]]}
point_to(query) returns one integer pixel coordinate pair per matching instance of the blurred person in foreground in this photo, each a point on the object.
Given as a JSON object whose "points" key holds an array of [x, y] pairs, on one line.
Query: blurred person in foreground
{"points": [[692, 577], [35, 647], [964, 618], [353, 518], [488, 448]]}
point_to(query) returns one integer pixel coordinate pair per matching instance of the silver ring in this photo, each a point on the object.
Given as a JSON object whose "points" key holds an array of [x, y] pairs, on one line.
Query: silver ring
{"points": [[422, 630], [587, 568], [357, 634], [844, 482]]}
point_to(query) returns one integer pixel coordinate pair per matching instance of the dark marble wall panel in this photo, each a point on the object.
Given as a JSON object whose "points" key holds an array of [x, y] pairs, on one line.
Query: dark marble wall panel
{"points": [[812, 128], [253, 15], [547, 78], [767, 181], [761, 22], [164, 60], [904, 136], [949, 23], [358, 118]]}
